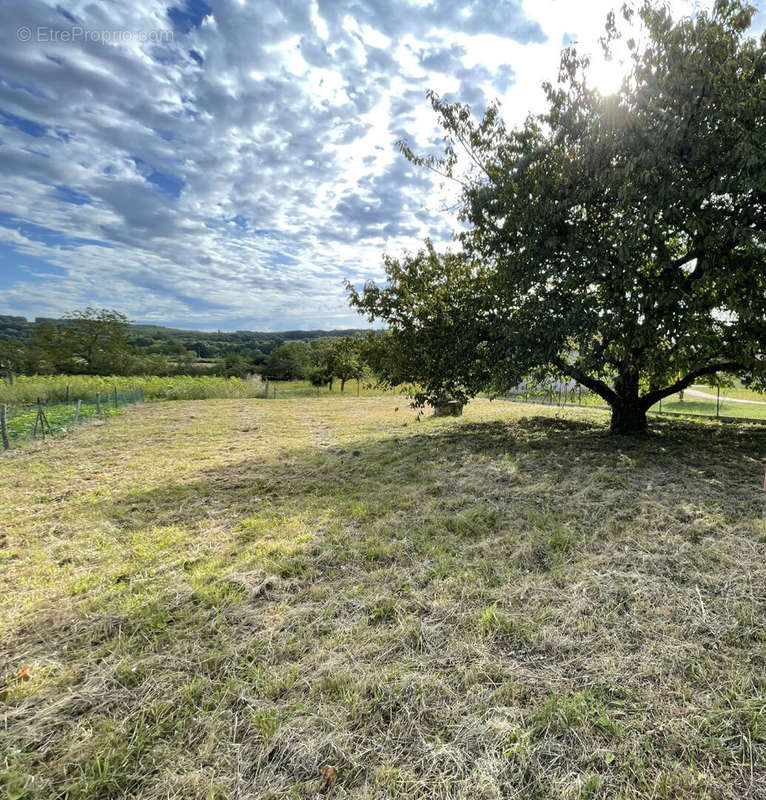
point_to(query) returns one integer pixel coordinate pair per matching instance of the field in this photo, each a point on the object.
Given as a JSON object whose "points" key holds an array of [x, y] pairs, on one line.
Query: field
{"points": [[217, 599], [57, 388]]}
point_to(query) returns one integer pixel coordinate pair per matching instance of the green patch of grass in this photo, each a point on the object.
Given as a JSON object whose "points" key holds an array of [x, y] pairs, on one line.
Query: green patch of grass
{"points": [[586, 711]]}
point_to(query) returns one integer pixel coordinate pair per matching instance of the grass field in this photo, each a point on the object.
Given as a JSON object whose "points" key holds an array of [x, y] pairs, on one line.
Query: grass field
{"points": [[216, 599], [701, 406]]}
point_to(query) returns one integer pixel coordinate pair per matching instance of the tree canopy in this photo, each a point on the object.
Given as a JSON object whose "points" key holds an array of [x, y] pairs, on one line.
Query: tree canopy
{"points": [[91, 340], [617, 240]]}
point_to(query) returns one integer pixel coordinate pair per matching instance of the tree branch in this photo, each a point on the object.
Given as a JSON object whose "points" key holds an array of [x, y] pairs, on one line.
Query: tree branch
{"points": [[594, 384], [649, 399]]}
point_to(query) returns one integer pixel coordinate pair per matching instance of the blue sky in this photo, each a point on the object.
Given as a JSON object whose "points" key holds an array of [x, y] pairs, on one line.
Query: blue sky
{"points": [[227, 164]]}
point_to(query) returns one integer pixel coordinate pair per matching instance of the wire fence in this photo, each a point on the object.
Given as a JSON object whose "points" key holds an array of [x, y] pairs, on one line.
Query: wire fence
{"points": [[705, 402], [44, 419], [276, 389]]}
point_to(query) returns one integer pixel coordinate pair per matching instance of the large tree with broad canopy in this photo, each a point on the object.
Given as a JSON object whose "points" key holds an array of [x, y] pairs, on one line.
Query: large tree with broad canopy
{"points": [[615, 240]]}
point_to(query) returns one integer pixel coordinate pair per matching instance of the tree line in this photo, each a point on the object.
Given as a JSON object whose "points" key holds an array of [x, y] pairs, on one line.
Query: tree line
{"points": [[100, 341]]}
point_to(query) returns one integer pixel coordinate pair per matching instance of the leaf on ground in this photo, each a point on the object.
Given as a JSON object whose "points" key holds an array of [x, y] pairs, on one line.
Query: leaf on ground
{"points": [[329, 776]]}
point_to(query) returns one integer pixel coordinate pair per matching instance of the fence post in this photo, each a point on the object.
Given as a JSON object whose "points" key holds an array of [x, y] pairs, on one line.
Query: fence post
{"points": [[4, 428], [77, 412], [660, 405], [98, 402], [114, 395], [67, 393], [357, 387], [717, 401]]}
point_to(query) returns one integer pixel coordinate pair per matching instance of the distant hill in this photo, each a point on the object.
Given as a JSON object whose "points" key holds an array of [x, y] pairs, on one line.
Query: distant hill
{"points": [[159, 339]]}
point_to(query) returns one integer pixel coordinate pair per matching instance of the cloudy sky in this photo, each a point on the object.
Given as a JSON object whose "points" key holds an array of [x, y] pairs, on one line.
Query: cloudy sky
{"points": [[226, 164]]}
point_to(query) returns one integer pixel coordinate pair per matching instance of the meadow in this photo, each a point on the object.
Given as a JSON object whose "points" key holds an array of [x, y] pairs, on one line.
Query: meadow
{"points": [[220, 598]]}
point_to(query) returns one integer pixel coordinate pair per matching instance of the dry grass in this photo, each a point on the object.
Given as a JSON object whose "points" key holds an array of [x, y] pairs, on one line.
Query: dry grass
{"points": [[216, 599]]}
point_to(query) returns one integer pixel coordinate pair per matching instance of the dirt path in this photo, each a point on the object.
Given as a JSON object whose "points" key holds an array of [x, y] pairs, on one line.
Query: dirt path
{"points": [[707, 396]]}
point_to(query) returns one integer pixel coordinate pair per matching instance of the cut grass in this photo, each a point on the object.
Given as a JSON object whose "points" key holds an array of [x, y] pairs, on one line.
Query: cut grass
{"points": [[215, 599]]}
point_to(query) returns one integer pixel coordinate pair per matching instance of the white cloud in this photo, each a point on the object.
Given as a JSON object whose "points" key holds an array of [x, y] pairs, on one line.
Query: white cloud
{"points": [[234, 176]]}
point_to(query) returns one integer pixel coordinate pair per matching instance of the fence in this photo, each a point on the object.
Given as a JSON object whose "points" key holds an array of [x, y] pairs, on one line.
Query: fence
{"points": [[365, 387], [49, 418], [711, 406]]}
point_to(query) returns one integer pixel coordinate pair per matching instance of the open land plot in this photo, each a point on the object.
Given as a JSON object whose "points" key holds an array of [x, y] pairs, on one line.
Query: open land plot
{"points": [[217, 599]]}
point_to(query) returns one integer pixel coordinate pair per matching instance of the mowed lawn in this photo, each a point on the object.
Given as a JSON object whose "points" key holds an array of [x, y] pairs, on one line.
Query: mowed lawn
{"points": [[217, 599]]}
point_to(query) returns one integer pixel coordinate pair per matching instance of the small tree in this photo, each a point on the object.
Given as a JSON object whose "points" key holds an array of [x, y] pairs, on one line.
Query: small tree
{"points": [[344, 360], [619, 241]]}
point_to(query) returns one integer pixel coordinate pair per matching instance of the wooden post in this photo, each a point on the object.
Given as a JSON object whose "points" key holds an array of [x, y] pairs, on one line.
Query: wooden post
{"points": [[77, 411], [114, 395], [717, 401], [98, 402], [4, 428], [67, 393]]}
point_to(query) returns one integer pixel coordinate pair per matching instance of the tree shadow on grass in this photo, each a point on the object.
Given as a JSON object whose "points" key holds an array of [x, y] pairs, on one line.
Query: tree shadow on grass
{"points": [[685, 462]]}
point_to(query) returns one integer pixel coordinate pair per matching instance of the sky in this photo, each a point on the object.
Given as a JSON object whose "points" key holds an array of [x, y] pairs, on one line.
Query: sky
{"points": [[226, 165]]}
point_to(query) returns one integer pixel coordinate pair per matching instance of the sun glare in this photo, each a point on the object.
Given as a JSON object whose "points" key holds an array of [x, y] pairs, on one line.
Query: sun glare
{"points": [[607, 76]]}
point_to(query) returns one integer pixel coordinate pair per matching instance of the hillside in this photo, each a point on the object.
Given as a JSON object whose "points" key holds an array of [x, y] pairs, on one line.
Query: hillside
{"points": [[157, 339]]}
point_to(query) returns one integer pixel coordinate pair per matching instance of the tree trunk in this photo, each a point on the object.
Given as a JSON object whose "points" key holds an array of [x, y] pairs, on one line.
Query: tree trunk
{"points": [[628, 410], [342, 384], [628, 416]]}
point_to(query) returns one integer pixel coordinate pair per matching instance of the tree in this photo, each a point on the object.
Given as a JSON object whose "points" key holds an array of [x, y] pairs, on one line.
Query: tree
{"points": [[234, 366], [289, 361], [13, 357], [92, 341], [320, 371], [344, 360], [614, 240]]}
